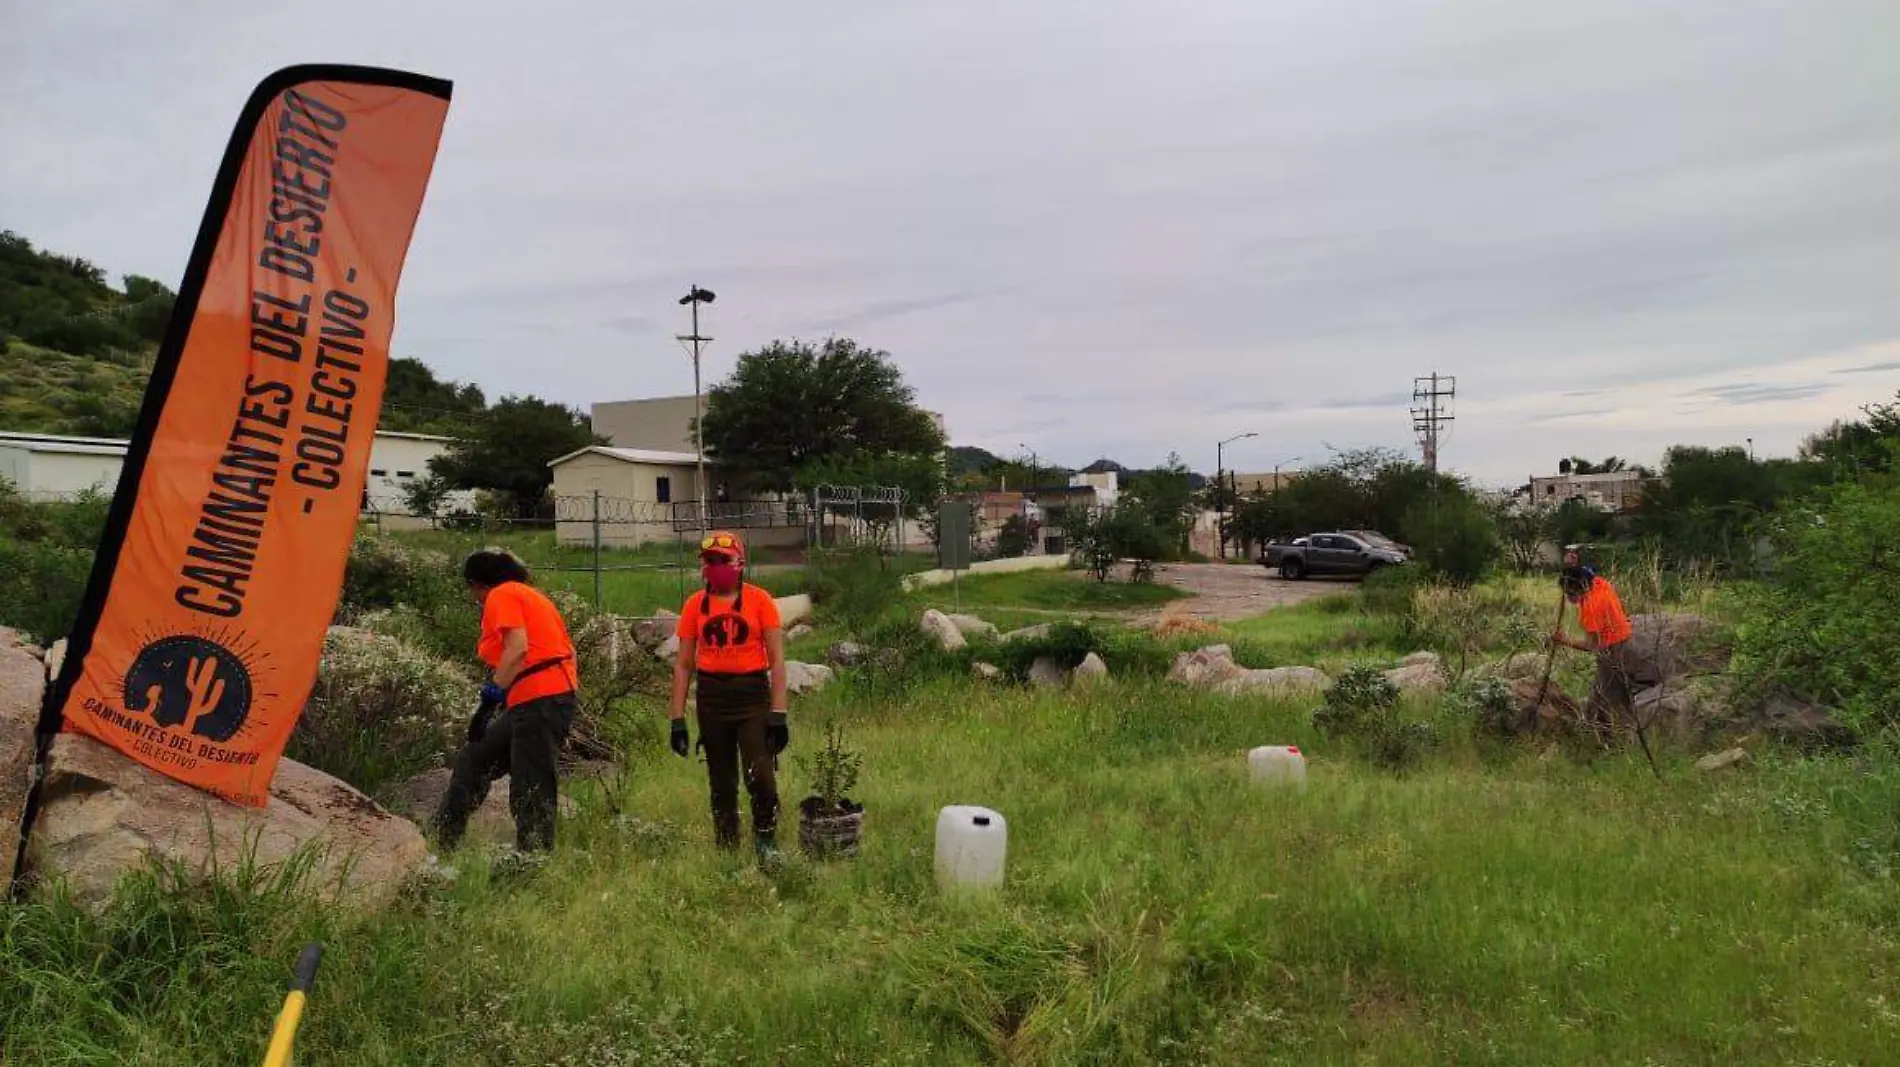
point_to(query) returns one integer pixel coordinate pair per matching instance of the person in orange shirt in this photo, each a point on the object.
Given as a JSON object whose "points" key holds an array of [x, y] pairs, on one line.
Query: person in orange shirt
{"points": [[527, 707], [732, 654], [1606, 633]]}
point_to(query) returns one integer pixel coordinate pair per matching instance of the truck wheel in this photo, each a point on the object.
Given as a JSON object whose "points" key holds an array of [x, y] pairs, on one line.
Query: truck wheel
{"points": [[1292, 570]]}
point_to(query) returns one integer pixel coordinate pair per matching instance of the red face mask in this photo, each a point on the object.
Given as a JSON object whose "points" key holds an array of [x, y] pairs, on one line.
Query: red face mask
{"points": [[721, 576]]}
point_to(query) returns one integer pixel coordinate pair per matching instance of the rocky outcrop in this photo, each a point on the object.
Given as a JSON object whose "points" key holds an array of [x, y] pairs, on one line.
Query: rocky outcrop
{"points": [[103, 816], [1277, 682], [1091, 671], [1666, 647], [971, 626], [492, 823], [1205, 667], [1418, 675], [940, 629], [1804, 724], [652, 632], [22, 690], [806, 677]]}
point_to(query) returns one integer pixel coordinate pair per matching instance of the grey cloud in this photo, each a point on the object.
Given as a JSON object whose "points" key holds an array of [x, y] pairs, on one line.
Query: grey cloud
{"points": [[1759, 392], [1533, 197], [1871, 368]]}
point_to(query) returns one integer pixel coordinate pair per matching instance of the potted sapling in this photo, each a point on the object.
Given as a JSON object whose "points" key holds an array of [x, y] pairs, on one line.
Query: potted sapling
{"points": [[828, 821]]}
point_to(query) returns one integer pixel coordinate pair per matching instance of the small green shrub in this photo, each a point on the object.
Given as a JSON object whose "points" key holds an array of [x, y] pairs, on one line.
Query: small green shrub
{"points": [[383, 709], [1128, 653], [1487, 701], [1388, 590], [1453, 536], [1362, 707], [46, 551], [857, 586]]}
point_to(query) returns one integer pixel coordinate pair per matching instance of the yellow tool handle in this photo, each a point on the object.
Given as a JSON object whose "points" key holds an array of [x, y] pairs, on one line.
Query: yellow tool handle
{"points": [[284, 1036]]}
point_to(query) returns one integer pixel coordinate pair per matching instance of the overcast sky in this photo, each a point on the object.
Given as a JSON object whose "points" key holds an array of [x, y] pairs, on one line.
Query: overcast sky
{"points": [[1094, 227]]}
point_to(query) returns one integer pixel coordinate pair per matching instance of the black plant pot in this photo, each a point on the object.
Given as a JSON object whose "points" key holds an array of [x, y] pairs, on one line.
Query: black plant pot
{"points": [[828, 833]]}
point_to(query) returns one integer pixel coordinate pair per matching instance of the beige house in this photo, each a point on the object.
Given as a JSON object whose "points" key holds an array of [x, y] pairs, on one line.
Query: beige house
{"points": [[640, 495], [1615, 491]]}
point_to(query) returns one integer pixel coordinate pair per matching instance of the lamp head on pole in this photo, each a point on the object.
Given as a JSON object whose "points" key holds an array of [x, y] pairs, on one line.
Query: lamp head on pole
{"points": [[696, 295]]}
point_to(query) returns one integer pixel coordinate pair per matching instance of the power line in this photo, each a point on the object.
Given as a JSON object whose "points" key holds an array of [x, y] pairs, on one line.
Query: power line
{"points": [[1432, 398]]}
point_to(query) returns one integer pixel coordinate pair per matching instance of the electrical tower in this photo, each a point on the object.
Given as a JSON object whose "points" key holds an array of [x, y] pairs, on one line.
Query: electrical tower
{"points": [[1432, 398]]}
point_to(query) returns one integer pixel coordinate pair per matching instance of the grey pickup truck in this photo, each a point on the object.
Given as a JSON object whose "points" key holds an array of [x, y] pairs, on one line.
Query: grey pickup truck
{"points": [[1354, 554]]}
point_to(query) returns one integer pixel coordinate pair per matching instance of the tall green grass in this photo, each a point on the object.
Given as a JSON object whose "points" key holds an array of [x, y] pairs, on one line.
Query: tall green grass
{"points": [[1493, 907]]}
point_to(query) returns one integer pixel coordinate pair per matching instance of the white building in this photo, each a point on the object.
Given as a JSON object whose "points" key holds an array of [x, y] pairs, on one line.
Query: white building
{"points": [[1613, 491], [55, 467]]}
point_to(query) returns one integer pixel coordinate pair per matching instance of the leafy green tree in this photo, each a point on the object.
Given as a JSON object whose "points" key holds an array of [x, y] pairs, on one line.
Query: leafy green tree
{"points": [[1452, 534], [508, 450], [425, 496], [1164, 498], [792, 405]]}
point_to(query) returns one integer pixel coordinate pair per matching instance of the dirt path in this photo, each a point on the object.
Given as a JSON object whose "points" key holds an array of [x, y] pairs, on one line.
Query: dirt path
{"points": [[1219, 592]]}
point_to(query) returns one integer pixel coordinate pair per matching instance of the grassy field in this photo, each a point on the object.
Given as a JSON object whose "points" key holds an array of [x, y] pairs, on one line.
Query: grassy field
{"points": [[1494, 906], [1023, 598]]}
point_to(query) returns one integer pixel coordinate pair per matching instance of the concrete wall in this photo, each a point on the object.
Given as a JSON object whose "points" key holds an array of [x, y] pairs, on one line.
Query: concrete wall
{"points": [[631, 509], [41, 474], [662, 424], [395, 464], [926, 579]]}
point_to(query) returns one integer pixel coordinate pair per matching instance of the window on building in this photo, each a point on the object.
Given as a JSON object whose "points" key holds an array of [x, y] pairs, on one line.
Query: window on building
{"points": [[663, 489], [403, 476], [378, 474], [1550, 490]]}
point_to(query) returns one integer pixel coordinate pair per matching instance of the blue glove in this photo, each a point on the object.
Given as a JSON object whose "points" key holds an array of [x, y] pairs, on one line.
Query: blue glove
{"points": [[494, 694]]}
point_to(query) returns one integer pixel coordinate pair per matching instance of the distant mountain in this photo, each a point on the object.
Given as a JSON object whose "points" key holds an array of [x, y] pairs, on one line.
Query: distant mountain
{"points": [[968, 459]]}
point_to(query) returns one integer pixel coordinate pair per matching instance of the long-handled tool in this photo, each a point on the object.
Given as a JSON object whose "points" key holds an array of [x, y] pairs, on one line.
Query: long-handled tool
{"points": [[284, 1035], [1550, 664]]}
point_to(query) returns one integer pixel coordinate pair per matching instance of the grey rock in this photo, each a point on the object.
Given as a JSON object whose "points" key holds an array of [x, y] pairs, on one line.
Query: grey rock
{"points": [[847, 654], [650, 633], [1038, 632], [1277, 681], [806, 677], [1091, 671], [986, 672], [939, 627], [1423, 676], [22, 691], [971, 626], [1721, 761], [1046, 673]]}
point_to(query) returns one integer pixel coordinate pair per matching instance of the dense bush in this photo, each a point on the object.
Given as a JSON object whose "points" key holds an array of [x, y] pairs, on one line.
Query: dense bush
{"points": [[858, 586], [383, 709], [1362, 707], [46, 552], [1128, 653], [1388, 590], [1823, 624], [1452, 535], [417, 593]]}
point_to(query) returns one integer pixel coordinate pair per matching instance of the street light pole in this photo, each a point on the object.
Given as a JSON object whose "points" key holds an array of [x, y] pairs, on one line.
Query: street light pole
{"points": [[694, 297], [1220, 488]]}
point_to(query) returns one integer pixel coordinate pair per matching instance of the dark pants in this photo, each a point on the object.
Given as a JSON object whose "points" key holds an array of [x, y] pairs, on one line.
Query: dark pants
{"points": [[1611, 707], [523, 743], [732, 710]]}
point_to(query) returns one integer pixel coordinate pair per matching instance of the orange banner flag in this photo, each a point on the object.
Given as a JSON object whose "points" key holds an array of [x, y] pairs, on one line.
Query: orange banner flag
{"points": [[222, 561]]}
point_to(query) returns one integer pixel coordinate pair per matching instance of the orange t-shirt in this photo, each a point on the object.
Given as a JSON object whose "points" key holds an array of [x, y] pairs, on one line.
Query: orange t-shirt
{"points": [[519, 606], [731, 633], [1601, 613]]}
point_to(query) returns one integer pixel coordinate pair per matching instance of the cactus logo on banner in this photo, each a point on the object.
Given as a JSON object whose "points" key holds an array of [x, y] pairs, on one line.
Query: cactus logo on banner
{"points": [[222, 559]]}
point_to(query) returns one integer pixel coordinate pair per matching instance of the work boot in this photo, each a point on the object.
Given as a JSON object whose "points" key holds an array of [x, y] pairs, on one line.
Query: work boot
{"points": [[766, 845]]}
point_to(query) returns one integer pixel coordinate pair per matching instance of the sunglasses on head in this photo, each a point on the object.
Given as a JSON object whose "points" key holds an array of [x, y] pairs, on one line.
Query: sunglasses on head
{"points": [[719, 542]]}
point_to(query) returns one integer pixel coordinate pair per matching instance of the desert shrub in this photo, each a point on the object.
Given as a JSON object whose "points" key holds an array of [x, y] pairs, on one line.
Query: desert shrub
{"points": [[383, 709], [1127, 652], [1459, 623], [416, 593], [613, 668], [858, 586], [1822, 624], [1453, 536], [1486, 700], [902, 657], [1388, 590], [1362, 707], [46, 552]]}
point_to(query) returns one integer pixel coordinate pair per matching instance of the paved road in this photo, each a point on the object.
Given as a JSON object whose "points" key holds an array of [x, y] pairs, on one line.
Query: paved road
{"points": [[1220, 592]]}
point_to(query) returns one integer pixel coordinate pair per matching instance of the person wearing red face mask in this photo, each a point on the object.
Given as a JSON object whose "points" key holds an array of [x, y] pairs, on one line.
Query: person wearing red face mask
{"points": [[732, 654]]}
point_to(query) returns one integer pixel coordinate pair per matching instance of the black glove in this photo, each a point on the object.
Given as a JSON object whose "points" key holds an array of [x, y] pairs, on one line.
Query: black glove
{"points": [[778, 735], [677, 738], [478, 723]]}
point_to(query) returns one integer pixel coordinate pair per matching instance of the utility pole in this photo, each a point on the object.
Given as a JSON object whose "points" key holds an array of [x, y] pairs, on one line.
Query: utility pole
{"points": [[696, 344], [1432, 398], [1220, 489]]}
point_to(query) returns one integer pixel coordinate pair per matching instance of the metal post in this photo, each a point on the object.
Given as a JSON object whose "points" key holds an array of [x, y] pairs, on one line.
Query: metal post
{"points": [[699, 430], [597, 600]]}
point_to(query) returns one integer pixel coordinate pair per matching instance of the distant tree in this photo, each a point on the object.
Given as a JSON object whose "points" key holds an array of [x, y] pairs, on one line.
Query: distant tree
{"points": [[1523, 531], [508, 450], [415, 400], [1164, 498], [793, 404], [919, 476], [1013, 539], [425, 496], [1580, 465], [1451, 534]]}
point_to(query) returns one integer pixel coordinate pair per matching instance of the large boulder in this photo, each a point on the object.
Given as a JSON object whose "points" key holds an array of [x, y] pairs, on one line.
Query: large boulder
{"points": [[1046, 673], [1791, 720], [1091, 671], [971, 626], [986, 672], [652, 632], [1038, 632], [103, 816], [1679, 712], [806, 677], [22, 691], [1206, 667], [1418, 676], [417, 798], [940, 629], [798, 630], [669, 649], [1277, 682], [1664, 648], [847, 654], [1537, 708]]}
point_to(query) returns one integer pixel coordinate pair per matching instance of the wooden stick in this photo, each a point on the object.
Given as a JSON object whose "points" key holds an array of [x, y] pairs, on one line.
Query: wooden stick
{"points": [[1550, 663]]}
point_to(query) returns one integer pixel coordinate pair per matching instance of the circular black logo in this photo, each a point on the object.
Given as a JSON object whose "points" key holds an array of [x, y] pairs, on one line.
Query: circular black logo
{"points": [[190, 682], [724, 631]]}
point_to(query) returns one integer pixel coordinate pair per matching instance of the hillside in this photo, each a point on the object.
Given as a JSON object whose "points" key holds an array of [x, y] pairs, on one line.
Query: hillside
{"points": [[75, 353]]}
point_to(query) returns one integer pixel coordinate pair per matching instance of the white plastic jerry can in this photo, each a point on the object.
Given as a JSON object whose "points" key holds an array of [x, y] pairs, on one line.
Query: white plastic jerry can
{"points": [[971, 845], [1279, 764]]}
